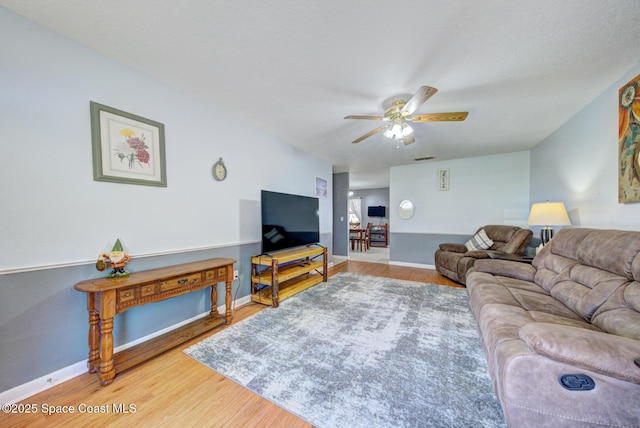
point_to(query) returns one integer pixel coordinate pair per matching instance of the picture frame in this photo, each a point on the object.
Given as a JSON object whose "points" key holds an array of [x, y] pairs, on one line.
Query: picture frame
{"points": [[127, 148], [443, 179], [321, 188], [629, 142]]}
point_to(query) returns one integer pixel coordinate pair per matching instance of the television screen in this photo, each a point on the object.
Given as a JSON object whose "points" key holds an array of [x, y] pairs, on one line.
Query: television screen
{"points": [[288, 221], [379, 211]]}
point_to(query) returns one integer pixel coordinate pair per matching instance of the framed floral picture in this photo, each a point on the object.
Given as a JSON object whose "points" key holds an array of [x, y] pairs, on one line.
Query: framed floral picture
{"points": [[127, 148]]}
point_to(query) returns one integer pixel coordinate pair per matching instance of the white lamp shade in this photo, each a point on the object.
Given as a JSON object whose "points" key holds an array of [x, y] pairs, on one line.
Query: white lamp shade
{"points": [[549, 214]]}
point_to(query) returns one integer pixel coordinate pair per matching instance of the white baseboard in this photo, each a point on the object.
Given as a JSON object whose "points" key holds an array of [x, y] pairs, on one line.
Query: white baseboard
{"points": [[337, 260], [26, 390], [43, 383], [416, 265]]}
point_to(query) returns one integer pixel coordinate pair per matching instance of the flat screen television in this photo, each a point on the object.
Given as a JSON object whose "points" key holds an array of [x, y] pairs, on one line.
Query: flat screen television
{"points": [[379, 211], [288, 221]]}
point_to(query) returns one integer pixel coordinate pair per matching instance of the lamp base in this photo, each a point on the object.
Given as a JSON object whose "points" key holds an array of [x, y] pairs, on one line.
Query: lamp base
{"points": [[546, 233]]}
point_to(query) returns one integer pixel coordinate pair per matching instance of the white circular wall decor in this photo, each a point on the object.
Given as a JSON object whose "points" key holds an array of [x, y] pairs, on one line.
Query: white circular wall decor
{"points": [[406, 209]]}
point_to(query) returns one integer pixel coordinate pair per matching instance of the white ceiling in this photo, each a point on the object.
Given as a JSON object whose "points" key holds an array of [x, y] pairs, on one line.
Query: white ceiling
{"points": [[295, 68]]}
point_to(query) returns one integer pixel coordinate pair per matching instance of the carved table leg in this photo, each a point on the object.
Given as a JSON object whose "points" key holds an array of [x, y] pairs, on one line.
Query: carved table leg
{"points": [[228, 315], [93, 363], [107, 370], [214, 300]]}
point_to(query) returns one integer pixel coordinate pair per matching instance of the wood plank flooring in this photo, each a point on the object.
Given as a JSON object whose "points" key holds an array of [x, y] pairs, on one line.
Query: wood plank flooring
{"points": [[174, 390]]}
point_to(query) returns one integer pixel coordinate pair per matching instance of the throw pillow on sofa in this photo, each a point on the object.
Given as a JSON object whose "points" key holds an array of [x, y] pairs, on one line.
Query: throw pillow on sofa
{"points": [[480, 241]]}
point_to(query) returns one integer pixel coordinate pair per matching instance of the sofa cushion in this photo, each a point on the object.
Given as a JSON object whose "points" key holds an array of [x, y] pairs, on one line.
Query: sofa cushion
{"points": [[567, 241], [621, 313], [548, 266], [501, 234], [488, 289], [600, 352], [582, 268], [480, 241], [610, 250], [584, 289], [550, 318], [512, 269], [517, 244]]}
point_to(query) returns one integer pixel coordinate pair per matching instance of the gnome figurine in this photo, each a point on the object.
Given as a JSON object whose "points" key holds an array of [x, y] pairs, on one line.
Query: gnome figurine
{"points": [[117, 259]]}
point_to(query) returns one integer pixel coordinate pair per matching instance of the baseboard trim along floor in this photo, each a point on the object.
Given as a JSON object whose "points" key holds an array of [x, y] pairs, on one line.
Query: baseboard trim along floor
{"points": [[33, 387]]}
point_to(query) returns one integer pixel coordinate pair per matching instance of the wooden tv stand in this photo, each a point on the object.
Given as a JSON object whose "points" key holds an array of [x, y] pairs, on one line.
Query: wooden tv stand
{"points": [[107, 297], [281, 274], [379, 236]]}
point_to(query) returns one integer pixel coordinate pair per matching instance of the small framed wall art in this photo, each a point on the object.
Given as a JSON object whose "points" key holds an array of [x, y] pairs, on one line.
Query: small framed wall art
{"points": [[443, 179], [321, 187], [127, 148]]}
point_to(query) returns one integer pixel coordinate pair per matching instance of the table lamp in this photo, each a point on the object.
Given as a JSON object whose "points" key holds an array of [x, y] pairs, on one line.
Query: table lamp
{"points": [[548, 214]]}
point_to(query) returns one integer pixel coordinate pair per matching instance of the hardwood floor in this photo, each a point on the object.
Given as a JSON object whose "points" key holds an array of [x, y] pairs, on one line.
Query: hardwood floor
{"points": [[175, 390]]}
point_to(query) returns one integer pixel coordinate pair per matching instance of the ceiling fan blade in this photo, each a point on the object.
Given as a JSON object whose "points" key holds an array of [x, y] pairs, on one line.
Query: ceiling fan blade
{"points": [[439, 117], [408, 140], [367, 135], [366, 117], [423, 94]]}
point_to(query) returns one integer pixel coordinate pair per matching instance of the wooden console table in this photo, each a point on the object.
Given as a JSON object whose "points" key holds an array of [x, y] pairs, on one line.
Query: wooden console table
{"points": [[107, 297]]}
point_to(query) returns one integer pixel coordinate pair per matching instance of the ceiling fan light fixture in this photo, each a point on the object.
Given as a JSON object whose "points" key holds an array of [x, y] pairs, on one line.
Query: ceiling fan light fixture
{"points": [[398, 130], [400, 112], [406, 130]]}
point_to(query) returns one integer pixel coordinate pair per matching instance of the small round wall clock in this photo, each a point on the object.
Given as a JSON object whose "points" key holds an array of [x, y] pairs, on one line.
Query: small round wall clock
{"points": [[219, 170]]}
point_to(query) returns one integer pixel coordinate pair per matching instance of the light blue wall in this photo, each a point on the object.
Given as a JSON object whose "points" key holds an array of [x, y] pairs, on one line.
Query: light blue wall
{"points": [[55, 219], [44, 322], [578, 165], [483, 190]]}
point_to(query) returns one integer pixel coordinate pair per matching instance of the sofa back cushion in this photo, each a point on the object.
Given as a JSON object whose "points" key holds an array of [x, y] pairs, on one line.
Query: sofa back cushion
{"points": [[508, 239], [549, 266], [583, 289], [610, 250], [620, 314], [582, 268]]}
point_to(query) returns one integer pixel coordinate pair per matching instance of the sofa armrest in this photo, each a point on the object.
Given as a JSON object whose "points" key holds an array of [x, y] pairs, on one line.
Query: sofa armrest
{"points": [[592, 350], [478, 254], [454, 248], [508, 268], [519, 242]]}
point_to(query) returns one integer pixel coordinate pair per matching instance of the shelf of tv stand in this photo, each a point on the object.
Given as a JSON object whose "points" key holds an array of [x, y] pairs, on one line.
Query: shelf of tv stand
{"points": [[287, 289], [279, 275], [288, 272], [379, 235]]}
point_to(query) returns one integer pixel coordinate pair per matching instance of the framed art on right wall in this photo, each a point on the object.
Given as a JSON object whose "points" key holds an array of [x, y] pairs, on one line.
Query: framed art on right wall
{"points": [[629, 142]]}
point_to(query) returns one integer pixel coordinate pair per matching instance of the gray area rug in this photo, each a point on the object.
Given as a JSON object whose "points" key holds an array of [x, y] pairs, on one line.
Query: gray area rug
{"points": [[363, 351]]}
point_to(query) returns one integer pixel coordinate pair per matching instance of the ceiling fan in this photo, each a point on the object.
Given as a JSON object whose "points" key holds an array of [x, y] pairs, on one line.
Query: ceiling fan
{"points": [[399, 114]]}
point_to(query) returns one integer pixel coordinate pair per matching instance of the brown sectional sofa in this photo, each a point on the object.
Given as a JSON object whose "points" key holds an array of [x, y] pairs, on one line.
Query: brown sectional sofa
{"points": [[572, 318], [454, 260]]}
